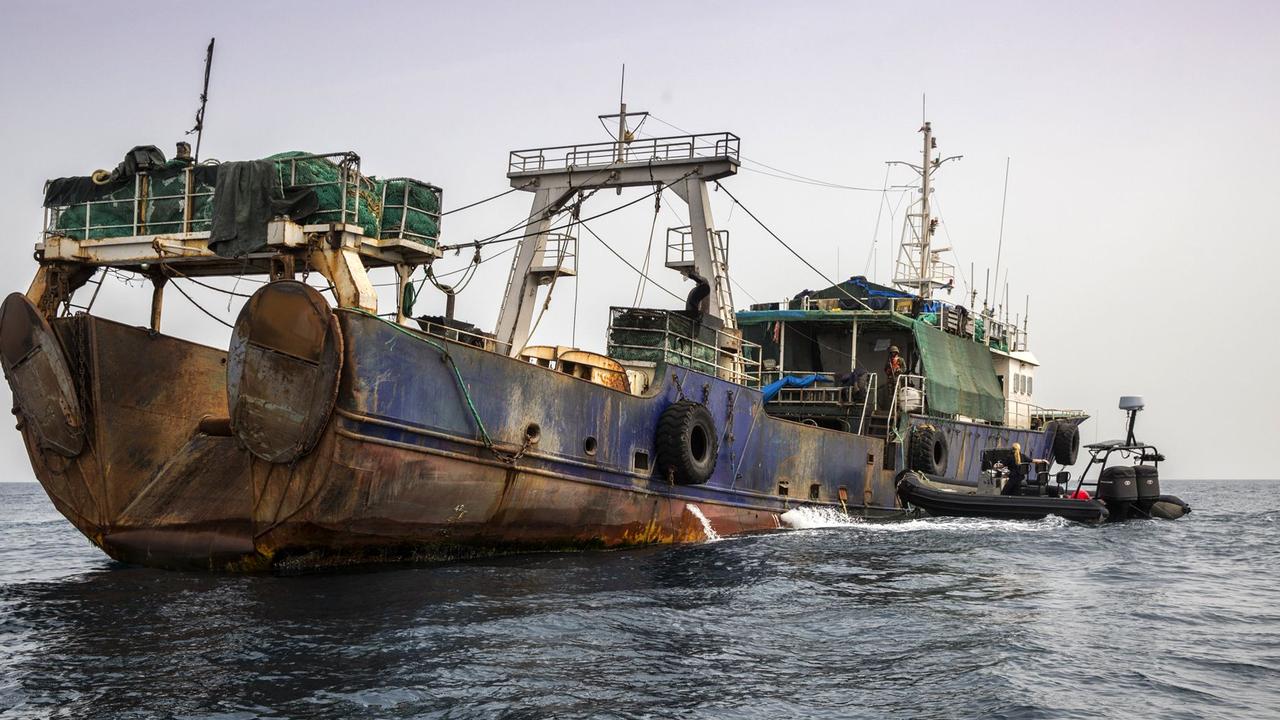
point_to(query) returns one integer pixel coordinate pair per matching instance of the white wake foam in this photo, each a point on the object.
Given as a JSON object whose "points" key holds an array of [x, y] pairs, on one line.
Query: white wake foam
{"points": [[712, 535], [808, 518]]}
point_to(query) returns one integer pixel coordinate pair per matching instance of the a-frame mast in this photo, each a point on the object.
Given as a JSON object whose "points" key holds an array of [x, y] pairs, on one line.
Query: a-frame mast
{"points": [[556, 175]]}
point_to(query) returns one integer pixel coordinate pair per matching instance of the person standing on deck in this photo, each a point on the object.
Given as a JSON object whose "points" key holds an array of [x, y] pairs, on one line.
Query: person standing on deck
{"points": [[893, 367]]}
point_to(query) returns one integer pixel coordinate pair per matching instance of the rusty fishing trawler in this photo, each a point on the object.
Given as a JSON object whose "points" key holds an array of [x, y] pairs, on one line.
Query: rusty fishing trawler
{"points": [[329, 434]]}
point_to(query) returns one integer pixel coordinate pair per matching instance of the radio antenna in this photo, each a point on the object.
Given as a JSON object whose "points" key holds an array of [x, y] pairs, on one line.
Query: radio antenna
{"points": [[1004, 197], [204, 100]]}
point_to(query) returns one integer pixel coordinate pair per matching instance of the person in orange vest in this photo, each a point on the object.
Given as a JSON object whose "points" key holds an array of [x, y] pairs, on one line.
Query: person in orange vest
{"points": [[894, 366]]}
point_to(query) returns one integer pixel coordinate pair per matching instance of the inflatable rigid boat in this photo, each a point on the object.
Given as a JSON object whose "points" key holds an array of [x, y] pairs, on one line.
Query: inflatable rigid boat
{"points": [[943, 499], [1010, 489]]}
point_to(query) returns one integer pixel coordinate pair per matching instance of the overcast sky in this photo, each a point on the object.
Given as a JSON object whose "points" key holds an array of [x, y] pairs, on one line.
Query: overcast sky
{"points": [[1142, 139]]}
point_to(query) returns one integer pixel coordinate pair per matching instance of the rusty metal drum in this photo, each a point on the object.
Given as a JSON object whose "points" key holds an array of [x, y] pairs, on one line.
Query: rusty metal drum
{"points": [[283, 368], [44, 392]]}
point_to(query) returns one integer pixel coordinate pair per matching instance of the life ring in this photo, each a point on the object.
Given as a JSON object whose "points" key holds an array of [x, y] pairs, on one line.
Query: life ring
{"points": [[686, 443], [928, 451]]}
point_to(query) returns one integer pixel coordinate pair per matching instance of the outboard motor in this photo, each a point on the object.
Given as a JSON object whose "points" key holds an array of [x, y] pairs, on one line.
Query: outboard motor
{"points": [[1134, 492], [1118, 488], [1148, 482]]}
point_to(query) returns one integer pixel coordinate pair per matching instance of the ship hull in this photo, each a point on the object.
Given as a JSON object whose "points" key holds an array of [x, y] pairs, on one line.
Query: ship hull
{"points": [[401, 471]]}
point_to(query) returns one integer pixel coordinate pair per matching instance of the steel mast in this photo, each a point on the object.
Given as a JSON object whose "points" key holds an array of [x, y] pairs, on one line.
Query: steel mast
{"points": [[918, 267]]}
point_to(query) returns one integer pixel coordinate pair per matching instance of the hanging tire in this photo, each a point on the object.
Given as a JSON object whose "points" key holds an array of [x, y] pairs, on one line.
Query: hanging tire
{"points": [[1066, 443], [686, 443], [928, 450]]}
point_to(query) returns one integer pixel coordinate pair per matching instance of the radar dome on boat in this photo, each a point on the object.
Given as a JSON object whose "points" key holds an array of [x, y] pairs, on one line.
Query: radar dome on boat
{"points": [[1131, 402]]}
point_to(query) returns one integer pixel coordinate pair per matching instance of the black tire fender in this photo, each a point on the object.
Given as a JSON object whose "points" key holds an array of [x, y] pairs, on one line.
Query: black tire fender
{"points": [[686, 443], [928, 451], [1066, 443]]}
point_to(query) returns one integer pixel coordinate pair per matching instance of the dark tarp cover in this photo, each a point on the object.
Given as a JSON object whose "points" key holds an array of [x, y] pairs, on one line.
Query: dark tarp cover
{"points": [[960, 377], [247, 196]]}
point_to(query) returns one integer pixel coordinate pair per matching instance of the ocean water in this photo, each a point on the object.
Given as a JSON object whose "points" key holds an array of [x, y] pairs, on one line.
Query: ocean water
{"points": [[917, 619]]}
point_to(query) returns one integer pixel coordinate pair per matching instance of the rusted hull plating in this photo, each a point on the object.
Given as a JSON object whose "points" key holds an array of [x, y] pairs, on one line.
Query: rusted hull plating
{"points": [[400, 472]]}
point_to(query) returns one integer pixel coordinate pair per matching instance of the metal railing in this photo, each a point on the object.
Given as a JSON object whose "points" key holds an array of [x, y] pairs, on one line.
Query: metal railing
{"points": [[350, 186], [680, 246], [872, 401], [904, 382], [142, 222], [559, 253], [979, 327], [405, 207], [722, 145], [664, 343], [1025, 415], [846, 395], [481, 340], [825, 395], [350, 183]]}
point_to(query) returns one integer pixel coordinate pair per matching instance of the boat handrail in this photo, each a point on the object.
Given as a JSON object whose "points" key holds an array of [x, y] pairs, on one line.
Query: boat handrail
{"points": [[1018, 411], [479, 339], [720, 145], [668, 344], [348, 182], [904, 381], [833, 394], [137, 226], [871, 398]]}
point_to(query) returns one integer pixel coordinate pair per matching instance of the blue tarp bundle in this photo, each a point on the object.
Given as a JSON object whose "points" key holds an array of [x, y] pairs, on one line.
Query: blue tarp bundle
{"points": [[861, 282], [799, 381]]}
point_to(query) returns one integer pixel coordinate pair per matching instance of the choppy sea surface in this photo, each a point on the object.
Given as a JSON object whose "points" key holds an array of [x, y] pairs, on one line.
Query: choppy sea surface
{"points": [[916, 619]]}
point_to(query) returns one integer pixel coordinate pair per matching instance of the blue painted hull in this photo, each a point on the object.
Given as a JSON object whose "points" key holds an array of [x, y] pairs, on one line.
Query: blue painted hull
{"points": [[396, 390], [401, 472], [966, 441]]}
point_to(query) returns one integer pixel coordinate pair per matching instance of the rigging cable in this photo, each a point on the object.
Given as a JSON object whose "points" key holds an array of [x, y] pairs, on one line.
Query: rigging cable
{"points": [[491, 197], [199, 306], [626, 262], [947, 231], [794, 176], [790, 249], [875, 234], [1004, 199], [499, 239], [533, 217], [657, 207]]}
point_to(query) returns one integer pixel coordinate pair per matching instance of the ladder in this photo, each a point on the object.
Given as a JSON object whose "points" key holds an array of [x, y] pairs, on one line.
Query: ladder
{"points": [[680, 257], [70, 308], [720, 261]]}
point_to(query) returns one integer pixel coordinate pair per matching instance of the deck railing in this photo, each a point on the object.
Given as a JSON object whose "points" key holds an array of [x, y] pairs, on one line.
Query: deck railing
{"points": [[709, 146], [900, 386], [656, 338]]}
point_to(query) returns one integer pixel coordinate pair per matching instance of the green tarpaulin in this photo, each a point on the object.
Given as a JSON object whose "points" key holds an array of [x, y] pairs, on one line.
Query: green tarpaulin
{"points": [[960, 377]]}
